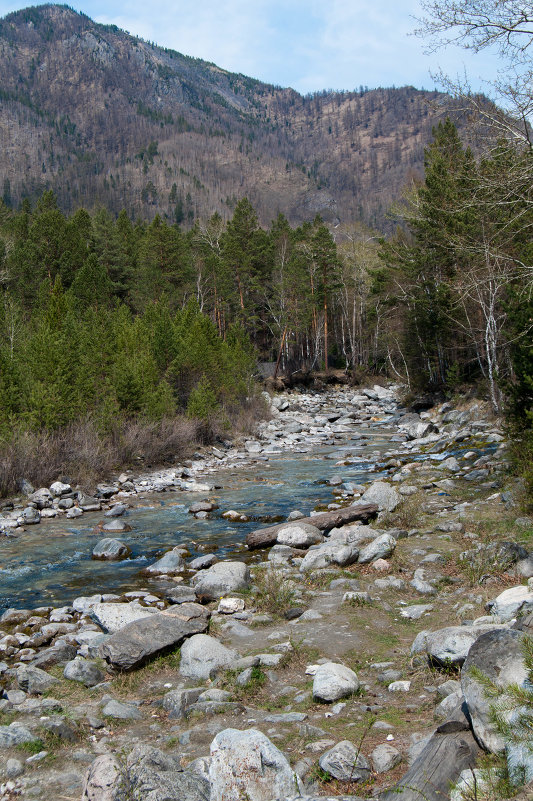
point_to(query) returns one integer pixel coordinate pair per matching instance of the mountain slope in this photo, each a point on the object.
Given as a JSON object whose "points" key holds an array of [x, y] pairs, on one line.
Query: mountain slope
{"points": [[102, 117]]}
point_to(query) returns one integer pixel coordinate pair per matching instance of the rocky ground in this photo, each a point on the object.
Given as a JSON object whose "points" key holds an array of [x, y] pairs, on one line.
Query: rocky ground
{"points": [[338, 664]]}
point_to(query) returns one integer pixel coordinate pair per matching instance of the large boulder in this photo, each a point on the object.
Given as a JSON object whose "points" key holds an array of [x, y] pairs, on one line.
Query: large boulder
{"points": [[330, 553], [383, 495], [333, 681], [246, 764], [221, 579], [449, 647], [498, 656], [345, 762], [299, 535], [202, 656], [511, 602], [143, 639]]}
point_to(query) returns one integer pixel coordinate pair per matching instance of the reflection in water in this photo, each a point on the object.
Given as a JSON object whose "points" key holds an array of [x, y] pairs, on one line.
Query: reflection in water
{"points": [[51, 564]]}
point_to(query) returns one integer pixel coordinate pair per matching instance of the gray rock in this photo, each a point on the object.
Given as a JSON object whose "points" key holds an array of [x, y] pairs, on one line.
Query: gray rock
{"points": [[105, 780], [450, 646], [42, 498], [57, 654], [122, 711], [116, 511], [61, 727], [380, 548], [383, 495], [384, 758], [170, 563], [177, 702], [421, 584], [84, 671], [14, 768], [202, 562], [524, 567], [180, 595], [31, 516], [299, 535], [246, 764], [34, 680], [15, 734], [498, 655], [221, 579], [116, 526], [329, 554], [58, 488], [143, 639], [345, 763], [153, 775], [448, 704], [202, 656], [511, 602], [110, 549], [333, 681], [87, 503], [114, 617]]}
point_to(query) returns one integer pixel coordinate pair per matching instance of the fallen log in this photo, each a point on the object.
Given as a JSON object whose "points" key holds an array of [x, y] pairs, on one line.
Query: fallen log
{"points": [[451, 750], [265, 537]]}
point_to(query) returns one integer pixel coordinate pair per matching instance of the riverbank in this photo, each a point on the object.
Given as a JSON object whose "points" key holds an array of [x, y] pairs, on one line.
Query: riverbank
{"points": [[358, 596]]}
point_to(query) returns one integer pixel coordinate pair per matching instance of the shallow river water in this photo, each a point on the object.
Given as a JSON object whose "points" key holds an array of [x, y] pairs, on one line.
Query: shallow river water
{"points": [[50, 564]]}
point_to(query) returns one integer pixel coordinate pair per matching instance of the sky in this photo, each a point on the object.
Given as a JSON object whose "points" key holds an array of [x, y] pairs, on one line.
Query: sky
{"points": [[309, 45]]}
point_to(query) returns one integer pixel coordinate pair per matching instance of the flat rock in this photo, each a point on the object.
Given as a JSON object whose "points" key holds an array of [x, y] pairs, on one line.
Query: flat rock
{"points": [[246, 764], [121, 711], [221, 579], [143, 639], [114, 617], [450, 646], [15, 734], [511, 602], [202, 656], [34, 680]]}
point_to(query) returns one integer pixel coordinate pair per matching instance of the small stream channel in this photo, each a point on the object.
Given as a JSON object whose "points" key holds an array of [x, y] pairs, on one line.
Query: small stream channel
{"points": [[51, 564]]}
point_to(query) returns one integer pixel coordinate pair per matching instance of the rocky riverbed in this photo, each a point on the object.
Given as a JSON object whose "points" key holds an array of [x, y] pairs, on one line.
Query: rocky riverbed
{"points": [[336, 661]]}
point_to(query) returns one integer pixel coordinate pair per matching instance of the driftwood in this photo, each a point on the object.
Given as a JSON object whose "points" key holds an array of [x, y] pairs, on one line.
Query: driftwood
{"points": [[265, 537], [451, 750]]}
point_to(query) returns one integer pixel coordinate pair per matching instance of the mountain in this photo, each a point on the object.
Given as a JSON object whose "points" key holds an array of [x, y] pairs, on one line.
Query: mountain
{"points": [[103, 117]]}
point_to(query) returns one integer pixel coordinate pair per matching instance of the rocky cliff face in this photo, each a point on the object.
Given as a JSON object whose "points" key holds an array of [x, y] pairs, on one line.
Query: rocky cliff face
{"points": [[102, 117]]}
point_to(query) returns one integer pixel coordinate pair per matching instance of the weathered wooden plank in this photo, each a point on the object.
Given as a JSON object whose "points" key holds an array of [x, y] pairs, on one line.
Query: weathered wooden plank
{"points": [[437, 768], [265, 537]]}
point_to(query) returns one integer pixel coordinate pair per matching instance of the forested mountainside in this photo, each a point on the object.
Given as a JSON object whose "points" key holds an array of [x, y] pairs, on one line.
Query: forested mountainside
{"points": [[105, 118]]}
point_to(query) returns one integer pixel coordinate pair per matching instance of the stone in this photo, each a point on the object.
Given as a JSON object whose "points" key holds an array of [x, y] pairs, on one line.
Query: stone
{"points": [[170, 563], [449, 647], [117, 510], [333, 681], [144, 639], [114, 617], [105, 780], [246, 764], [202, 656], [116, 526], [85, 603], [31, 516], [448, 704], [177, 702], [180, 595], [202, 562], [61, 727], [329, 554], [34, 680], [384, 758], [221, 579], [228, 606], [15, 734], [122, 711], [110, 549], [416, 611], [57, 654], [421, 584], [380, 548], [58, 488], [382, 494], [511, 602], [88, 503], [498, 655], [14, 768], [299, 535], [153, 775], [345, 763], [84, 671], [399, 687]]}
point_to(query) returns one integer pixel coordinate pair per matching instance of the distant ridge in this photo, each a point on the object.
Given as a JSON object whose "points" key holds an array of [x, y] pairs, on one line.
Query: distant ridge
{"points": [[105, 118]]}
